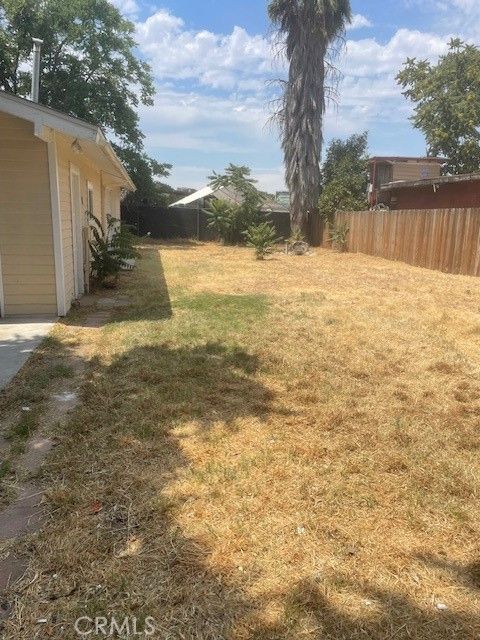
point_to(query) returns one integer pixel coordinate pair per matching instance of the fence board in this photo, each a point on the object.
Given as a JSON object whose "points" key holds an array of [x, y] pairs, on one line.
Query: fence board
{"points": [[443, 239]]}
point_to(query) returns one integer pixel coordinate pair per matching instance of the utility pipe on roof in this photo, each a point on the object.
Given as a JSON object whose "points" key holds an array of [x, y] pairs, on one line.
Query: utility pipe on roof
{"points": [[37, 47]]}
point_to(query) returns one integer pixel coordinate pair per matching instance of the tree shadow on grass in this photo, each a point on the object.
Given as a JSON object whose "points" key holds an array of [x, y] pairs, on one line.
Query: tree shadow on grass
{"points": [[111, 482], [139, 295], [156, 390], [467, 574], [211, 383], [386, 614], [123, 539]]}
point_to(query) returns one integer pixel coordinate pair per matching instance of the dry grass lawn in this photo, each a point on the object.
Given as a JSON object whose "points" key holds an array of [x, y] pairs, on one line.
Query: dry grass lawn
{"points": [[277, 450]]}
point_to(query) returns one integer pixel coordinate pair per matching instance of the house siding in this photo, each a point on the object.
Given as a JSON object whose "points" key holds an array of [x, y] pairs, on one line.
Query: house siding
{"points": [[415, 170], [454, 195], [26, 234], [102, 205]]}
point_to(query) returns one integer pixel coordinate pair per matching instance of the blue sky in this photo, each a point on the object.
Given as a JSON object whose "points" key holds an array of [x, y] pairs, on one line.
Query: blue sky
{"points": [[212, 60]]}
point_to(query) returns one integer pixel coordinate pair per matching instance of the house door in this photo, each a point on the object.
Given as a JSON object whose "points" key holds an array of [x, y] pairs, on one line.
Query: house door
{"points": [[77, 232]]}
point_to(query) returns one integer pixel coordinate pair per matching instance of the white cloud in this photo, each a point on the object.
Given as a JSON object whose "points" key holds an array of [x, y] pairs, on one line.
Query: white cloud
{"points": [[370, 58], [240, 63], [212, 98], [214, 60], [127, 7], [270, 180], [461, 17], [196, 122], [359, 22]]}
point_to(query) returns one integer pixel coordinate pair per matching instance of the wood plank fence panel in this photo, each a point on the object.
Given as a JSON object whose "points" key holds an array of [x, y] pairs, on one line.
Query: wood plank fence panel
{"points": [[443, 239]]}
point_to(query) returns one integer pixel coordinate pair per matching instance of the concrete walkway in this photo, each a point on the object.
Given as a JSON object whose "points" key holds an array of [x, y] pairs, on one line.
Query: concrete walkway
{"points": [[19, 337]]}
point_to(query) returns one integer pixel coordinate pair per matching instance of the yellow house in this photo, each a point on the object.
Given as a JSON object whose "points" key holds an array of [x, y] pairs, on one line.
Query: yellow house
{"points": [[53, 169]]}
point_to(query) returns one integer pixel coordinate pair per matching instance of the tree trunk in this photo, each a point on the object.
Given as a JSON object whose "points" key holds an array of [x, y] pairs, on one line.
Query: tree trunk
{"points": [[315, 229]]}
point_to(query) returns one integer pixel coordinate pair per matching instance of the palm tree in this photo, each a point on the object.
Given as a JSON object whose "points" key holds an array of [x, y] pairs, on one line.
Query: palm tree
{"points": [[309, 29]]}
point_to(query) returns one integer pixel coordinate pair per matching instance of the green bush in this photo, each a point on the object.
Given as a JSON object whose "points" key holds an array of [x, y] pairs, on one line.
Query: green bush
{"points": [[229, 219], [222, 218], [110, 248], [338, 236], [296, 236], [261, 237]]}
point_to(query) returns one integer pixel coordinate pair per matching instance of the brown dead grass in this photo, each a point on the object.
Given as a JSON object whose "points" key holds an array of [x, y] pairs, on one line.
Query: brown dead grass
{"points": [[284, 449]]}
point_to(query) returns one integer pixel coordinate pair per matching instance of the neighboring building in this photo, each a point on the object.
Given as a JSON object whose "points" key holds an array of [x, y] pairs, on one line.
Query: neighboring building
{"points": [[443, 192], [386, 169], [196, 199], [283, 198], [181, 192], [199, 199], [53, 168]]}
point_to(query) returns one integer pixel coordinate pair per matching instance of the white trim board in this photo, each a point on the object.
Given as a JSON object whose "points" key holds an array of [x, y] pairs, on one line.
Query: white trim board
{"points": [[74, 171], [56, 225], [2, 294]]}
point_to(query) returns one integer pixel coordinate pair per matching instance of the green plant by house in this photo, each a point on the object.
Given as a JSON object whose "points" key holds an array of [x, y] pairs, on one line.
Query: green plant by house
{"points": [[339, 236], [262, 238], [110, 249]]}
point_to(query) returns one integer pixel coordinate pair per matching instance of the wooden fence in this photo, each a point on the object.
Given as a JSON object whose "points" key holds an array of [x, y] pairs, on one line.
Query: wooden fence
{"points": [[443, 239]]}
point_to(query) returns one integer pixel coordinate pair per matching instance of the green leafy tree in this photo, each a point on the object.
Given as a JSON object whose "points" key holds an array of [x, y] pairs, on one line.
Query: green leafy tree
{"points": [[344, 176], [238, 178], [447, 104], [89, 69], [145, 172], [166, 194], [309, 28], [247, 211]]}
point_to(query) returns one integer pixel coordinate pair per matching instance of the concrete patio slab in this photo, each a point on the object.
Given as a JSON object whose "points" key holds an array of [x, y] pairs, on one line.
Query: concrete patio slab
{"points": [[19, 337]]}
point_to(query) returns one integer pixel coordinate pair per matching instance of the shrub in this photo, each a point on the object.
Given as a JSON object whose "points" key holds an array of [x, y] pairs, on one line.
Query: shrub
{"points": [[338, 236], [110, 248], [296, 243], [261, 237], [234, 219], [222, 217], [297, 235]]}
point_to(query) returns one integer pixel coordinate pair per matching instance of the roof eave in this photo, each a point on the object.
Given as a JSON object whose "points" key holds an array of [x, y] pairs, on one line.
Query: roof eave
{"points": [[45, 119], [426, 182], [110, 152]]}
